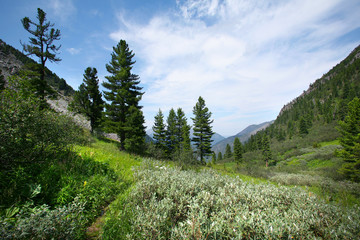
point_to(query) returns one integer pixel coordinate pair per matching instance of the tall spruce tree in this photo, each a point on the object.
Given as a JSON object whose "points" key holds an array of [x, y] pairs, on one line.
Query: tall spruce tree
{"points": [[135, 134], [171, 132], [238, 150], [87, 100], [182, 131], [219, 157], [159, 131], [202, 129], [266, 150], [228, 153], [42, 46], [123, 93], [350, 141]]}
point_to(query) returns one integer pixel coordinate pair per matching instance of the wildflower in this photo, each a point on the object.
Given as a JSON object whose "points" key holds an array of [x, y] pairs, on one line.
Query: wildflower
{"points": [[85, 182]]}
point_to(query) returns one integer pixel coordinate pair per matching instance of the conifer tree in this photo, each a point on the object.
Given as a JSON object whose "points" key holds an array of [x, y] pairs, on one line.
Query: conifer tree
{"points": [[123, 93], [182, 131], [159, 131], [135, 135], [266, 150], [43, 47], [202, 129], [87, 100], [213, 158], [238, 150], [219, 157], [303, 126], [350, 141], [228, 153], [171, 132]]}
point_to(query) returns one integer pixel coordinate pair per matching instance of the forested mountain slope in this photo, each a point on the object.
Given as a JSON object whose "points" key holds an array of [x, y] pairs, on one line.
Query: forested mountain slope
{"points": [[317, 111]]}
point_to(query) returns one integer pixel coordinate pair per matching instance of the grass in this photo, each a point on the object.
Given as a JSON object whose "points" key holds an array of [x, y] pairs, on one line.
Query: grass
{"points": [[108, 152]]}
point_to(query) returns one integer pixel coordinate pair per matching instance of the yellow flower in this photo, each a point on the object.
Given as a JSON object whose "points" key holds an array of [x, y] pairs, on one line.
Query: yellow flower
{"points": [[85, 182]]}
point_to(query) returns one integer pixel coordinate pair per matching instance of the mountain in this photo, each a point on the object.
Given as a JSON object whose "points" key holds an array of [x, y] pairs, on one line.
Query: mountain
{"points": [[313, 116], [243, 136], [216, 137], [12, 60]]}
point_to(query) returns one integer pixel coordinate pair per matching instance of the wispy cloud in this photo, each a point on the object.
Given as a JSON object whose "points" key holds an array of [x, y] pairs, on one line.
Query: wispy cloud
{"points": [[246, 58], [62, 9], [73, 51]]}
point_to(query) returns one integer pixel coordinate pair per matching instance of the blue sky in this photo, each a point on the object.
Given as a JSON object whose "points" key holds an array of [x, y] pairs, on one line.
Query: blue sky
{"points": [[245, 58]]}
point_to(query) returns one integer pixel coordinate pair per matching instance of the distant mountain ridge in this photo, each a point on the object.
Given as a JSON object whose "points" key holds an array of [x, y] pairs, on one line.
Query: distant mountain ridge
{"points": [[243, 136], [216, 137]]}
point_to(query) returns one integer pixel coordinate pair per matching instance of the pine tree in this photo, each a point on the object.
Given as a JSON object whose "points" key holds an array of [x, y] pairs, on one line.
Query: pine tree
{"points": [[159, 131], [350, 141], [182, 131], [135, 135], [219, 157], [213, 158], [266, 150], [87, 100], [238, 150], [228, 153], [41, 45], [123, 93], [303, 128], [171, 132], [202, 129]]}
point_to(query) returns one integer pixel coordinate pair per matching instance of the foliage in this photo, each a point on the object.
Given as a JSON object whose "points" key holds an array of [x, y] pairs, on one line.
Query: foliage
{"points": [[52, 79], [159, 133], [202, 129], [167, 203], [266, 150], [2, 81], [219, 158], [238, 150], [30, 135], [228, 153], [124, 93], [350, 141], [42, 46], [41, 222], [87, 100], [171, 132]]}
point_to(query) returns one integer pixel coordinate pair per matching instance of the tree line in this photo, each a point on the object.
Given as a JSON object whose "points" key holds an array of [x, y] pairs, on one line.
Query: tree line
{"points": [[172, 138]]}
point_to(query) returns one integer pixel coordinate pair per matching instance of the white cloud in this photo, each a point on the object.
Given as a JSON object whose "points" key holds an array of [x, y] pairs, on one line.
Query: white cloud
{"points": [[73, 51], [62, 9], [245, 58]]}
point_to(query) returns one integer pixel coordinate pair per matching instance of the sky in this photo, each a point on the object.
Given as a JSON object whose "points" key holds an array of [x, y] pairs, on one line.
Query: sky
{"points": [[246, 58]]}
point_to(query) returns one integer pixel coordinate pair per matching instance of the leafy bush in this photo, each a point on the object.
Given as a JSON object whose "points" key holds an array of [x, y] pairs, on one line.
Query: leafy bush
{"points": [[41, 222], [167, 203]]}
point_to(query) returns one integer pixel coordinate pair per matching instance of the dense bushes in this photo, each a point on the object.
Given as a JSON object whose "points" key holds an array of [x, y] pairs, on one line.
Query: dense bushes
{"points": [[172, 204], [47, 191]]}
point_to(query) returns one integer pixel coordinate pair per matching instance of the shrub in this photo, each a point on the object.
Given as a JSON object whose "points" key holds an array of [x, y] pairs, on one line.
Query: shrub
{"points": [[41, 222], [167, 203]]}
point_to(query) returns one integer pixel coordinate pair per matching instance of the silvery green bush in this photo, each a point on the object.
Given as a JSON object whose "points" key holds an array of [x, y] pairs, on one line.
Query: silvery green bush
{"points": [[41, 222], [167, 203]]}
